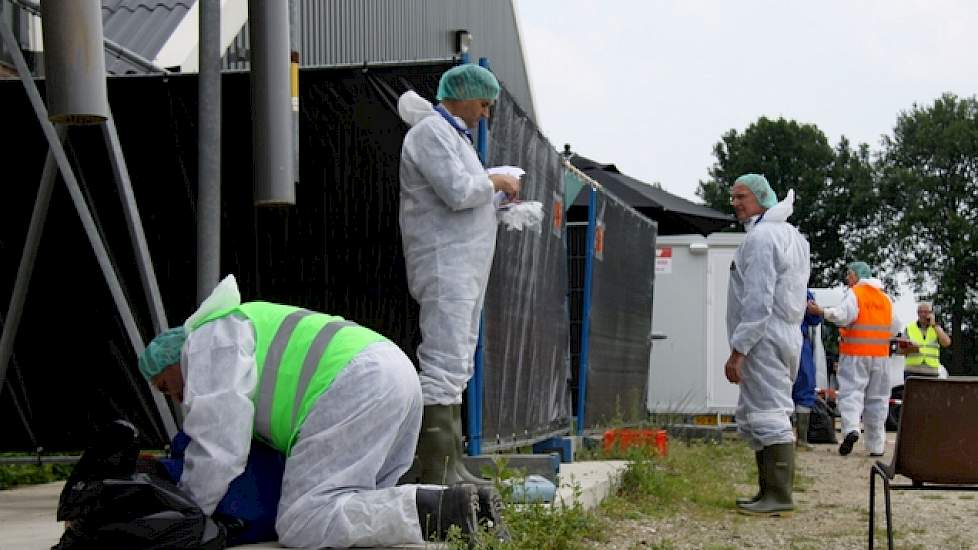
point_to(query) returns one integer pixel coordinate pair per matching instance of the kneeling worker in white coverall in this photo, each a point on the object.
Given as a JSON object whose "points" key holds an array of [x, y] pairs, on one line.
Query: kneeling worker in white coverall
{"points": [[341, 402], [448, 230], [866, 324], [765, 306]]}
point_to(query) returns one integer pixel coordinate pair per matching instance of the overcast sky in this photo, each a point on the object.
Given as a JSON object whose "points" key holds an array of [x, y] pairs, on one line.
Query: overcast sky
{"points": [[651, 85]]}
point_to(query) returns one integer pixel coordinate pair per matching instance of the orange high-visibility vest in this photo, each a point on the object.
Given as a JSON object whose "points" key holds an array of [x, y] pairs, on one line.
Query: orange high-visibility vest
{"points": [[869, 334]]}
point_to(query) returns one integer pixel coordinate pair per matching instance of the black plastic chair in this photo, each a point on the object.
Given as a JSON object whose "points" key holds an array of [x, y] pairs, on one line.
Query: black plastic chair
{"points": [[936, 443]]}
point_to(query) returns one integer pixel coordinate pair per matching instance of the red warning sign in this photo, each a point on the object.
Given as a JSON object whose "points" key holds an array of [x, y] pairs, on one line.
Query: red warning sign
{"points": [[663, 259]]}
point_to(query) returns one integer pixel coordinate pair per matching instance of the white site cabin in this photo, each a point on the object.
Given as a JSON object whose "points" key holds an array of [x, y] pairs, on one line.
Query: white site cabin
{"points": [[686, 368]]}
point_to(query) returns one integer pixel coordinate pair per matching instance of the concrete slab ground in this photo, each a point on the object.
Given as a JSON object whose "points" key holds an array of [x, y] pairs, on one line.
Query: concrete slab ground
{"points": [[27, 514]]}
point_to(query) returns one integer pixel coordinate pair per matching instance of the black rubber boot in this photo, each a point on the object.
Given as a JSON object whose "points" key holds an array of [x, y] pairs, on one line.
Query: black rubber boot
{"points": [[779, 466], [439, 459], [760, 483], [491, 513], [847, 443], [440, 509], [801, 429]]}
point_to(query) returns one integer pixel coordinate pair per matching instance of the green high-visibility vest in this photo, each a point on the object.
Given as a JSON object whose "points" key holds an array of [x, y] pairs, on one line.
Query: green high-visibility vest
{"points": [[930, 351], [298, 353]]}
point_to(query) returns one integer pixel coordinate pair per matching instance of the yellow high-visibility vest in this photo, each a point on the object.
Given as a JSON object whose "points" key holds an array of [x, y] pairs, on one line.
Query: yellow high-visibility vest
{"points": [[929, 351]]}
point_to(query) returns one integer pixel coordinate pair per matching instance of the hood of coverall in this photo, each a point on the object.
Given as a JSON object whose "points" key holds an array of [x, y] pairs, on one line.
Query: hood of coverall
{"points": [[413, 108], [778, 213]]}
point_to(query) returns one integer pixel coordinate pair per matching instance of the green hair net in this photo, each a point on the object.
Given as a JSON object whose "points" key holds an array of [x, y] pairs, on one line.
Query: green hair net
{"points": [[861, 269], [162, 352], [760, 187], [468, 82]]}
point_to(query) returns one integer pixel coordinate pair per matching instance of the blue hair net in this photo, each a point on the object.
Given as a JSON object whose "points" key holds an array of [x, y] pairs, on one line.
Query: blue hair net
{"points": [[162, 352], [468, 82], [760, 187], [861, 269]]}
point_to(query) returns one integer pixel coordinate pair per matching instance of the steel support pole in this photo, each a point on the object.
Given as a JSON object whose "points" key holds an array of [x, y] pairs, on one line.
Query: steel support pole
{"points": [[586, 310], [474, 390], [476, 386], [26, 268], [209, 149], [271, 103], [295, 44], [88, 223], [483, 131], [143, 260], [74, 62]]}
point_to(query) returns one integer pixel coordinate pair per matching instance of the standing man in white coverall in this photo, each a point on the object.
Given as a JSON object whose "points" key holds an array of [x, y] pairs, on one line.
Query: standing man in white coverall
{"points": [[866, 324], [341, 402], [448, 230], [765, 306]]}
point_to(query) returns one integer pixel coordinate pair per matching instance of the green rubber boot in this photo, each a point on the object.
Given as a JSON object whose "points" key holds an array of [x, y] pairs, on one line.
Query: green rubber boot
{"points": [[463, 471], [439, 457], [801, 428], [779, 467], [760, 483]]}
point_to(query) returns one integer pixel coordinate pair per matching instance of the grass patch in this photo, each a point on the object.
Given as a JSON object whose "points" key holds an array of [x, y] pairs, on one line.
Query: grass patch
{"points": [[16, 475], [538, 526], [553, 528], [700, 478]]}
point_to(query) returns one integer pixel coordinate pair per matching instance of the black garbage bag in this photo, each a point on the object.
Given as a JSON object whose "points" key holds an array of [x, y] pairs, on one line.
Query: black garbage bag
{"points": [[111, 500], [821, 427]]}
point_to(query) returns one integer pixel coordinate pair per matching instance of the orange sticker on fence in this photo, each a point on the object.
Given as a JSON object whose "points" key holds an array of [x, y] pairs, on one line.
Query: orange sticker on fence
{"points": [[599, 241]]}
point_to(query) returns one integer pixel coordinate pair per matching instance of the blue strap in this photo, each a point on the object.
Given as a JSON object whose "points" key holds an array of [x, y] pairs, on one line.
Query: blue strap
{"points": [[465, 132]]}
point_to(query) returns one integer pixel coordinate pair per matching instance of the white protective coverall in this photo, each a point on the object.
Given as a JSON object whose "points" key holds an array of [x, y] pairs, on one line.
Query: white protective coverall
{"points": [[864, 382], [765, 306], [448, 231], [338, 488]]}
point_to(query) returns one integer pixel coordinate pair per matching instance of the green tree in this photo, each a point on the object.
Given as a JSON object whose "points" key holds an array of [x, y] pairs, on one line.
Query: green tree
{"points": [[929, 173], [833, 187], [852, 217]]}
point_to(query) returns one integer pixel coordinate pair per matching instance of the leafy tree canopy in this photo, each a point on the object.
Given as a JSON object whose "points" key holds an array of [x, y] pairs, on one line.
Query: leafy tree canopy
{"points": [[833, 187]]}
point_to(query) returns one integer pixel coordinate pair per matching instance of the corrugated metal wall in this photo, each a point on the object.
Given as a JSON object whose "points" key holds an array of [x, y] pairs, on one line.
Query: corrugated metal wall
{"points": [[27, 31], [357, 31]]}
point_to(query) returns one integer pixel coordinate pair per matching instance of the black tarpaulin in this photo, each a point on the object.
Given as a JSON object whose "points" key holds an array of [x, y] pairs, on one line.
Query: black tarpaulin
{"points": [[338, 250], [526, 362], [674, 215], [622, 278]]}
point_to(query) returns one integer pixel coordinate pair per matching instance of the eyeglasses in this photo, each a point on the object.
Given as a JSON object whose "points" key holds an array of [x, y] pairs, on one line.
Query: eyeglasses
{"points": [[739, 197]]}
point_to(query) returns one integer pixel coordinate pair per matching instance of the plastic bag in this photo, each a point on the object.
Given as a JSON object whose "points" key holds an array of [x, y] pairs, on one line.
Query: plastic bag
{"points": [[501, 200], [107, 503], [522, 215], [821, 425]]}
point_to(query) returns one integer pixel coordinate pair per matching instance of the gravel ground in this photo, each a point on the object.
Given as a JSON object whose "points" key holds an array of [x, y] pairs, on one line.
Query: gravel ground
{"points": [[831, 512]]}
